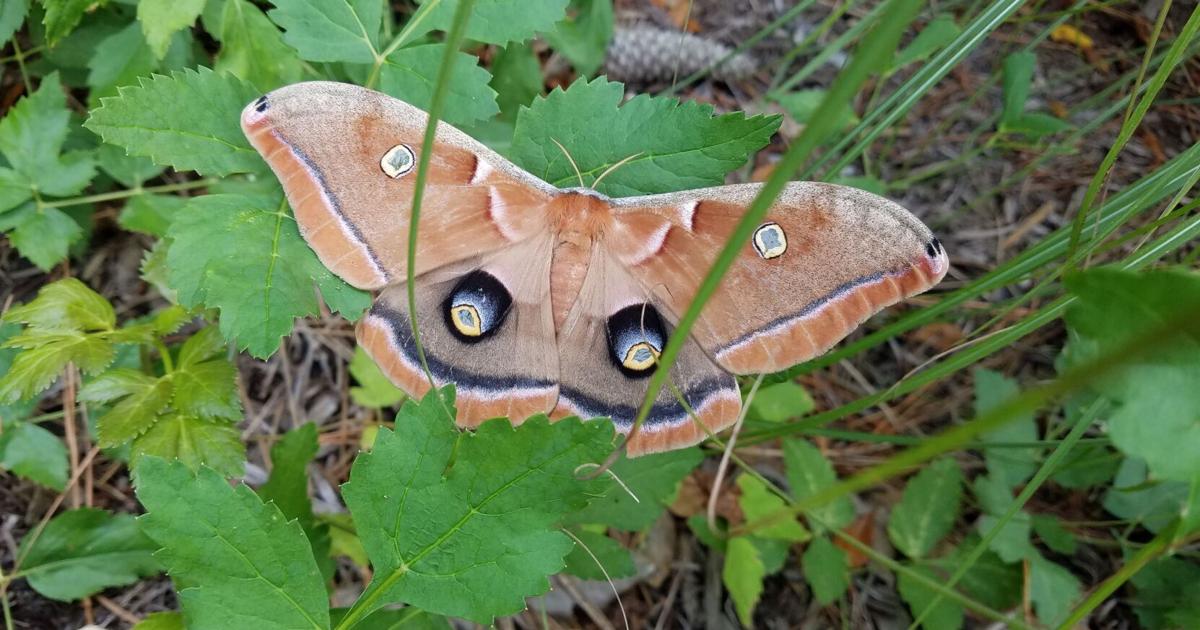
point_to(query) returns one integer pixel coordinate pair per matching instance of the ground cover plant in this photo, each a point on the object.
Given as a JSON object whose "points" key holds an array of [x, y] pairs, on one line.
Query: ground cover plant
{"points": [[188, 437]]}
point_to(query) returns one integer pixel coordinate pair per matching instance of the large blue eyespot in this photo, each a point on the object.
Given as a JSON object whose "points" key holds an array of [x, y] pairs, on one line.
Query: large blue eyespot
{"points": [[476, 307], [635, 339]]}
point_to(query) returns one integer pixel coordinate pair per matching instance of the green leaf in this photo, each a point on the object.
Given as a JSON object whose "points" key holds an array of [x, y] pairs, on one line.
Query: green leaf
{"points": [[253, 49], [698, 523], [409, 74], [940, 31], [653, 479], [12, 16], [374, 389], [1038, 125], [826, 570], [343, 541], [200, 347], [44, 236], [244, 564], [516, 78], [758, 502], [808, 472], [1017, 78], [947, 615], [131, 171], [1013, 466], [1053, 534], [116, 383], [475, 538], [84, 551], [208, 389], [583, 38], [1164, 586], [927, 510], [990, 580], [62, 16], [135, 413], [120, 59], [1087, 465], [66, 304], [161, 621], [287, 486], [615, 558], [677, 145], [407, 618], [189, 121], [46, 356], [330, 30], [195, 442], [1053, 590], [27, 450], [162, 18], [1137, 498], [263, 289], [780, 402], [802, 104], [499, 21], [743, 577], [150, 214], [1012, 543], [1156, 394]]}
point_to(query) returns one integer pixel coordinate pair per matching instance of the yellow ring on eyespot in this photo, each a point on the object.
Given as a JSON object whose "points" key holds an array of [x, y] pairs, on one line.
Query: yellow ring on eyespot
{"points": [[770, 241], [641, 356], [466, 320]]}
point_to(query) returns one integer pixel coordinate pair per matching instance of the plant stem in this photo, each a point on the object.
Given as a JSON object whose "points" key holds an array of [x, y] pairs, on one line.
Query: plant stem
{"points": [[130, 192]]}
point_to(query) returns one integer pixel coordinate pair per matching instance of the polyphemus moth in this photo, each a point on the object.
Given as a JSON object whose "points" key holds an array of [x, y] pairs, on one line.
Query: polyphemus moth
{"points": [[535, 299]]}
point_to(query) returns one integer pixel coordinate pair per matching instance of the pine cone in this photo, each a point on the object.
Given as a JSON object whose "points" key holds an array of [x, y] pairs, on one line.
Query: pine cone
{"points": [[645, 54]]}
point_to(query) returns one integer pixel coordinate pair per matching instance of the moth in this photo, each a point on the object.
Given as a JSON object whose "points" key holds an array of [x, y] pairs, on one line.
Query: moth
{"points": [[535, 299]]}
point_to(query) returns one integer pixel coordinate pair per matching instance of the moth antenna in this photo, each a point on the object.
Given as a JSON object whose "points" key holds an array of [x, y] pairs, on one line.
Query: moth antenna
{"points": [[614, 167], [571, 160]]}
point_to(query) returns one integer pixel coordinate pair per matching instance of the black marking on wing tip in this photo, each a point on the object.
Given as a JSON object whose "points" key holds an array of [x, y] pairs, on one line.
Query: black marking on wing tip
{"points": [[401, 332], [260, 105], [934, 247]]}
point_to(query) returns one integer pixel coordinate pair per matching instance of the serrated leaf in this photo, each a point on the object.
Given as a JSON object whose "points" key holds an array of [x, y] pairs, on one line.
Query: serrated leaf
{"points": [[253, 49], [62, 16], [780, 402], [82, 552], [287, 485], [826, 570], [32, 135], [160, 20], [135, 413], [194, 442], [516, 78], [150, 214], [44, 236], [677, 145], [207, 389], [486, 525], [1156, 394], [34, 369], [202, 346], [499, 21], [115, 383], [244, 564], [120, 59], [758, 502], [808, 472], [27, 450], [374, 389], [330, 30], [263, 289], [66, 304], [927, 510], [12, 15], [946, 615], [743, 575], [583, 38], [615, 558], [1012, 543], [1011, 465], [189, 121], [1053, 590], [653, 479], [410, 75]]}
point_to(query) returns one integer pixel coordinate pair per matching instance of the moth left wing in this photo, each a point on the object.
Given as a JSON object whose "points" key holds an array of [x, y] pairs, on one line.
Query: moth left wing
{"points": [[824, 259], [485, 324], [347, 156]]}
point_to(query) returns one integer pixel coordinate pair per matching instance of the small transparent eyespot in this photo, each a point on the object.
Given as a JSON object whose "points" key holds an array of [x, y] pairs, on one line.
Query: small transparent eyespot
{"points": [[770, 241], [398, 161], [641, 356]]}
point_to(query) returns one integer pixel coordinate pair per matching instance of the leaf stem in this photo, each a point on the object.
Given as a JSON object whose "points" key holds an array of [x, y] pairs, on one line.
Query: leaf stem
{"points": [[401, 39], [130, 192], [165, 353], [20, 57]]}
